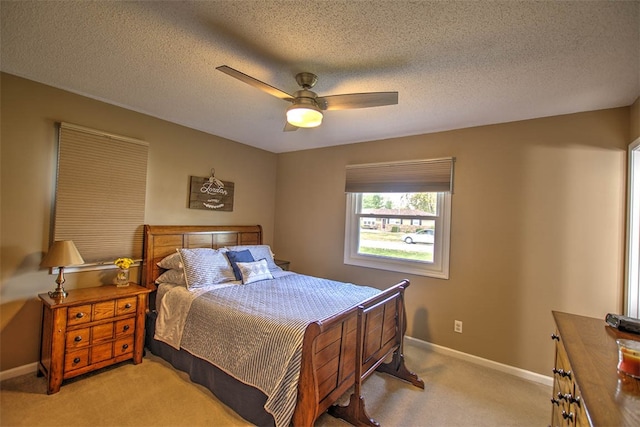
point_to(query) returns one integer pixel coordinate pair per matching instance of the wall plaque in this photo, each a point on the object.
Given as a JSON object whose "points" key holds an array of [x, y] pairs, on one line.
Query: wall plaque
{"points": [[211, 194]]}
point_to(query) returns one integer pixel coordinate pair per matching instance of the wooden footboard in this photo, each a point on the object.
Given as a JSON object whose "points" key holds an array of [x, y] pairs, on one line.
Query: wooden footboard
{"points": [[341, 351]]}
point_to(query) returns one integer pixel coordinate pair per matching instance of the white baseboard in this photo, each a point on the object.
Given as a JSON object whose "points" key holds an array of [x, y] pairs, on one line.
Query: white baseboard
{"points": [[31, 368], [521, 373]]}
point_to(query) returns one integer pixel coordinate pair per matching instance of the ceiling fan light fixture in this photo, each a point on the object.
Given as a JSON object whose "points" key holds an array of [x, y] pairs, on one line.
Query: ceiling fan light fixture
{"points": [[306, 109], [304, 115]]}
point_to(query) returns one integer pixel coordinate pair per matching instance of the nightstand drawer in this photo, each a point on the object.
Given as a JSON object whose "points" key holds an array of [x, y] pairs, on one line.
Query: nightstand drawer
{"points": [[76, 359], [126, 306], [78, 338], [101, 333], [103, 310], [125, 327], [101, 352], [79, 314], [124, 346]]}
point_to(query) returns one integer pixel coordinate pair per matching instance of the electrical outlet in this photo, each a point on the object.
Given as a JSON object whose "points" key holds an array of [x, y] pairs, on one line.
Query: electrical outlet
{"points": [[457, 326]]}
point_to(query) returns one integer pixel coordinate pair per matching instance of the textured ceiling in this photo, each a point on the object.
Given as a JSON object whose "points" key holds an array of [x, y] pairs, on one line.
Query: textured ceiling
{"points": [[455, 64]]}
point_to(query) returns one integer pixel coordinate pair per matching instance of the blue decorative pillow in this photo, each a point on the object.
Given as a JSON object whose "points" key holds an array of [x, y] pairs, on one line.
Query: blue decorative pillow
{"points": [[239, 256], [205, 267], [259, 252], [254, 271]]}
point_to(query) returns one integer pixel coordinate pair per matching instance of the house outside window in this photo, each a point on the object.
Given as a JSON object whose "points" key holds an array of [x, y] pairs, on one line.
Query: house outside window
{"points": [[403, 231]]}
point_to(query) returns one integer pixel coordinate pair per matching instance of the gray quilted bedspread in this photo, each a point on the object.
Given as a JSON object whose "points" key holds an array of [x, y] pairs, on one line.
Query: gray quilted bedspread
{"points": [[255, 332]]}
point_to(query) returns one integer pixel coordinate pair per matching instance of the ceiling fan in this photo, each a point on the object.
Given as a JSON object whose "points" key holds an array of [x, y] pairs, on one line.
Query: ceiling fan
{"points": [[307, 106]]}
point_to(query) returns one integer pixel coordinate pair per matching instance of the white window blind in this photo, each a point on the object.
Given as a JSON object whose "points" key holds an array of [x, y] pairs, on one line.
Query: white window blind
{"points": [[415, 176], [100, 193]]}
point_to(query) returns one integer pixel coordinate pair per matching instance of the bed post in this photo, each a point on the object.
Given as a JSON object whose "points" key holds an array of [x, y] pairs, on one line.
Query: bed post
{"points": [[396, 366]]}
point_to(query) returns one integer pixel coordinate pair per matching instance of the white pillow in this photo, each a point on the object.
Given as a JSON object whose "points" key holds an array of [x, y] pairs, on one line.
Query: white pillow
{"points": [[259, 252], [254, 271], [171, 262], [172, 276], [203, 266]]}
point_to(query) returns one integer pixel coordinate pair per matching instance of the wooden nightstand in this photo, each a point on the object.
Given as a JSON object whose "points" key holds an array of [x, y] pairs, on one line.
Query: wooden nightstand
{"points": [[282, 264], [89, 329]]}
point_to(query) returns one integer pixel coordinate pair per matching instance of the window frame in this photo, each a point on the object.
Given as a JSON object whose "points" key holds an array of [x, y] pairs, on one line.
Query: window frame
{"points": [[439, 268], [632, 285]]}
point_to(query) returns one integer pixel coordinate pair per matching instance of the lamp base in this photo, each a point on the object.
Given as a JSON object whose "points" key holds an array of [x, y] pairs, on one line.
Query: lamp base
{"points": [[58, 293]]}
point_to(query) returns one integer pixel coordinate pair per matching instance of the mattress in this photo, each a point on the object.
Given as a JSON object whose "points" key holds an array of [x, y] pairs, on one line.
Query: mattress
{"points": [[254, 332]]}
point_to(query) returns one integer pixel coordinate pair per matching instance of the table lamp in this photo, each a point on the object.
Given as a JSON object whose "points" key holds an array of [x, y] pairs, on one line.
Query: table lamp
{"points": [[61, 254]]}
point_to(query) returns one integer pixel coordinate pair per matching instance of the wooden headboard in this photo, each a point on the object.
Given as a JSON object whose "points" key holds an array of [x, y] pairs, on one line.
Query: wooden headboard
{"points": [[163, 240]]}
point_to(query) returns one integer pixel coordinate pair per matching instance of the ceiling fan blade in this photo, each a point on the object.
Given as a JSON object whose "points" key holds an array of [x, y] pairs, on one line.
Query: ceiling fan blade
{"points": [[255, 83], [288, 127], [357, 100]]}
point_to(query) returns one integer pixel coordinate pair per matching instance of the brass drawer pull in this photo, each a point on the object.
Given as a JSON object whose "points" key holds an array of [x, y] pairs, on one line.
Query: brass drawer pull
{"points": [[125, 346], [127, 305], [76, 360], [126, 328], [79, 315], [78, 338]]}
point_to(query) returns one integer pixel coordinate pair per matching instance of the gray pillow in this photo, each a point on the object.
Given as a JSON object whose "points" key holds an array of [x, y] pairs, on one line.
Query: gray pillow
{"points": [[174, 276], [171, 262], [203, 266]]}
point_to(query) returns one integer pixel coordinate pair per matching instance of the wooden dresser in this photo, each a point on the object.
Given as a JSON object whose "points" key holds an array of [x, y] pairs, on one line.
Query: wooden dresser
{"points": [[89, 329], [588, 390]]}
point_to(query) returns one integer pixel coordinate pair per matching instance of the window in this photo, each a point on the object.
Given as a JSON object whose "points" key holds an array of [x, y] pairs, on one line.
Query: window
{"points": [[404, 231], [100, 193], [632, 294]]}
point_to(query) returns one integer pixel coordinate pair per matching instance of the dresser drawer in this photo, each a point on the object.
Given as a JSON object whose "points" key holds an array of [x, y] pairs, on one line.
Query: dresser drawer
{"points": [[78, 315], [101, 352], [126, 306], [562, 372], [78, 338], [103, 310], [123, 346], [125, 327], [102, 332], [76, 360]]}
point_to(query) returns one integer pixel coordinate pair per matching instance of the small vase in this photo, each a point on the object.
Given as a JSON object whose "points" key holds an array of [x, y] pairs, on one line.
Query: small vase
{"points": [[122, 277]]}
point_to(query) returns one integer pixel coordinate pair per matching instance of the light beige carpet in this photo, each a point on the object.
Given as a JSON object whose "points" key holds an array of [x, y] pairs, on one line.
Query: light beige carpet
{"points": [[457, 393]]}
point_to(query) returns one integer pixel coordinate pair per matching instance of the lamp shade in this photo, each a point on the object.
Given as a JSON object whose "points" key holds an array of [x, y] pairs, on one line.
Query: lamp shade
{"points": [[61, 254]]}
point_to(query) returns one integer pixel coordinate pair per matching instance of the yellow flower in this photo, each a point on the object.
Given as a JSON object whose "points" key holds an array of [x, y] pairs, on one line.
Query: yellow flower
{"points": [[123, 263]]}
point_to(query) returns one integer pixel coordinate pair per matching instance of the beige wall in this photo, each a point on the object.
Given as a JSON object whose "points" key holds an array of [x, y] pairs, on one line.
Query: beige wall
{"points": [[29, 111], [538, 216], [537, 225]]}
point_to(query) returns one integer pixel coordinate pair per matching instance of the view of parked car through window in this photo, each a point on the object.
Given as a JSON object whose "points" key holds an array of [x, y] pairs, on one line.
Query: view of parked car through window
{"points": [[422, 236]]}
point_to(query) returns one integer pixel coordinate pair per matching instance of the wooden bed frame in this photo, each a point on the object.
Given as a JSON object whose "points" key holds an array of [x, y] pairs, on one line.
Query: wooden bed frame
{"points": [[370, 332]]}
